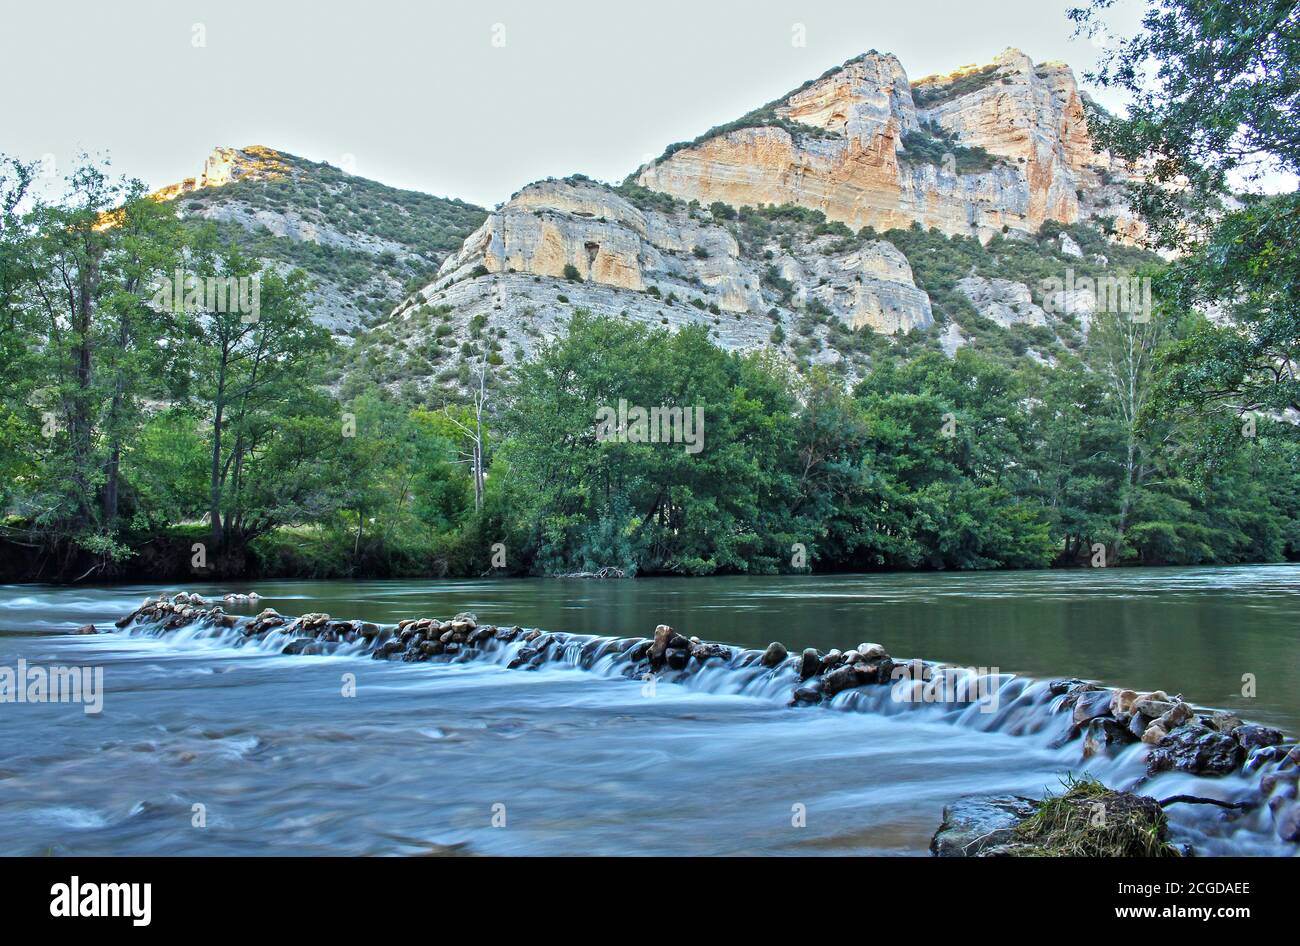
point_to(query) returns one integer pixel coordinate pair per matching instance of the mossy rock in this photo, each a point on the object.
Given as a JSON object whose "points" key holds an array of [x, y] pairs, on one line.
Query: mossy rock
{"points": [[1086, 820]]}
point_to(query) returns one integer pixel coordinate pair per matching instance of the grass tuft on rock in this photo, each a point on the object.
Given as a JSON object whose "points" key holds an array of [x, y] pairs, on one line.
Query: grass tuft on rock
{"points": [[1090, 820]]}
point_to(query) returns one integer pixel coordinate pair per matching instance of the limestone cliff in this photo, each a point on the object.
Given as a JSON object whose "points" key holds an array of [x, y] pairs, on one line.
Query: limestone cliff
{"points": [[983, 150], [590, 245]]}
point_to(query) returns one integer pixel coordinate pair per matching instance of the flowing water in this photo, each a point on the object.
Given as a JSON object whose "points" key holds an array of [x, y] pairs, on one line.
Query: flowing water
{"points": [[209, 744]]}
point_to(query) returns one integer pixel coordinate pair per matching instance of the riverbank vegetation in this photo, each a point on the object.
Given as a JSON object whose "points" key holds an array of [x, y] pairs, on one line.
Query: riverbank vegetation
{"points": [[149, 440]]}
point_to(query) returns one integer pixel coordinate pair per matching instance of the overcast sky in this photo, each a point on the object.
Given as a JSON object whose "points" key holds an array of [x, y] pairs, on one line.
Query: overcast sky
{"points": [[469, 100]]}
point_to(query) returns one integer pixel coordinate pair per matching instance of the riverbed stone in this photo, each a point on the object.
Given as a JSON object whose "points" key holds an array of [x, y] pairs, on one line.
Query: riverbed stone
{"points": [[1121, 704], [1091, 704], [843, 678], [1152, 708], [702, 651], [1177, 715], [810, 663], [677, 657], [872, 651], [1252, 736], [775, 655], [1196, 749], [811, 693], [1061, 687], [977, 822], [1104, 735], [1153, 734], [659, 646], [1224, 722]]}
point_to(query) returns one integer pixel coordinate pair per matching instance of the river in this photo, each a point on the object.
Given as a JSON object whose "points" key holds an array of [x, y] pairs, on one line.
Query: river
{"points": [[207, 747]]}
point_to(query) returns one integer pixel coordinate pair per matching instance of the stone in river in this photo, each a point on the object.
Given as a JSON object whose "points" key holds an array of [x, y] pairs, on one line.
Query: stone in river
{"points": [[972, 824], [1198, 750], [1090, 705], [1104, 733], [1255, 737], [774, 655], [810, 663]]}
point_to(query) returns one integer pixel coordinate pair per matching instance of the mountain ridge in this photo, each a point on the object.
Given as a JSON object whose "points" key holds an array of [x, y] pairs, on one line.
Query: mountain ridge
{"points": [[774, 247]]}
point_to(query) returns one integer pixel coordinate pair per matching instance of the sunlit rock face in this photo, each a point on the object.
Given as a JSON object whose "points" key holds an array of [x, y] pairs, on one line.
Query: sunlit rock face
{"points": [[871, 286], [226, 165], [586, 233], [853, 163]]}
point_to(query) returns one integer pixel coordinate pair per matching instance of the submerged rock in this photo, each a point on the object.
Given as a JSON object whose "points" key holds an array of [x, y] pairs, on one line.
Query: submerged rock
{"points": [[977, 822], [1288, 823]]}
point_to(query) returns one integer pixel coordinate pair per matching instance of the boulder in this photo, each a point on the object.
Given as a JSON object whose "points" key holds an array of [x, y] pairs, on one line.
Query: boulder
{"points": [[1091, 704], [1103, 734], [1121, 704], [972, 824], [775, 655], [86, 629], [1061, 687], [1224, 722], [810, 664], [663, 636], [702, 652], [807, 694], [1177, 714], [872, 651], [1152, 708], [1153, 734], [1252, 736], [1198, 750], [844, 678]]}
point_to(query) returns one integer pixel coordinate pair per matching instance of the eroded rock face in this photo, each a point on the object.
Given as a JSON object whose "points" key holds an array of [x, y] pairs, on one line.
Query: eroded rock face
{"points": [[553, 225], [586, 242], [1002, 301], [853, 164]]}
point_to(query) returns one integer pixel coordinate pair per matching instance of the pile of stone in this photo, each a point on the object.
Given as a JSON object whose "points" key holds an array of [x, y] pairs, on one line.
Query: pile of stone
{"points": [[824, 675], [1179, 737]]}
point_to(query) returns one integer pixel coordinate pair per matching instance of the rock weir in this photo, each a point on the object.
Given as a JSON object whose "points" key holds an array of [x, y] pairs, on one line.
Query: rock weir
{"points": [[865, 678]]}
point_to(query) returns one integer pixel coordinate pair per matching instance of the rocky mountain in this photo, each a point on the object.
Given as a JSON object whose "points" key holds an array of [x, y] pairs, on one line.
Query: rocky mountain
{"points": [[986, 149], [365, 245], [861, 210]]}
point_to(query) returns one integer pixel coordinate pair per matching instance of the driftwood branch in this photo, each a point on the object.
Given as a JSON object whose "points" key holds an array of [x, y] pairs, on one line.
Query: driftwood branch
{"points": [[1196, 800]]}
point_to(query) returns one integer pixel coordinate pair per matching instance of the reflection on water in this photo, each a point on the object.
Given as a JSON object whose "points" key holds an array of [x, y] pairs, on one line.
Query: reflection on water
{"points": [[282, 762]]}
